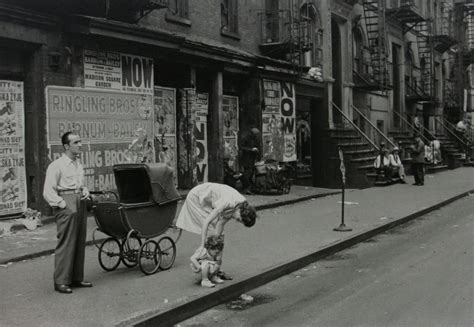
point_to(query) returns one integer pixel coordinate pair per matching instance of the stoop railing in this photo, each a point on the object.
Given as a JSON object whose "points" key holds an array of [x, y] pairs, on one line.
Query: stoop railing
{"points": [[356, 127], [374, 127]]}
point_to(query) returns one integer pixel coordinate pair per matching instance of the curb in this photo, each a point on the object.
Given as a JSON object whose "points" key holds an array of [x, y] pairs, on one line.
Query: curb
{"points": [[175, 315], [91, 242]]}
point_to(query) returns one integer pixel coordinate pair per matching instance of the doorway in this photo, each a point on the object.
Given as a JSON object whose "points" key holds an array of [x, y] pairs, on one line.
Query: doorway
{"points": [[336, 71]]}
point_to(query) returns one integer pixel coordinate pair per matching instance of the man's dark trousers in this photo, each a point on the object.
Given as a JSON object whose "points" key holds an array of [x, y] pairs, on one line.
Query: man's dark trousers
{"points": [[418, 172], [72, 229]]}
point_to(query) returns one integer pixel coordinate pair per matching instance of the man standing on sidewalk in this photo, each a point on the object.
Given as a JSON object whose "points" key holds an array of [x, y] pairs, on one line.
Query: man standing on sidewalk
{"points": [[250, 153], [418, 161], [65, 193]]}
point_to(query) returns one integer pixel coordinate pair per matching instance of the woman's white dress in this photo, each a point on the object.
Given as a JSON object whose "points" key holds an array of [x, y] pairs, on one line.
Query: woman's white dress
{"points": [[200, 202]]}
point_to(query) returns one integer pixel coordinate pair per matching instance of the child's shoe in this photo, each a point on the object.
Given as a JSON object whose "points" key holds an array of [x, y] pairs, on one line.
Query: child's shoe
{"points": [[223, 275], [217, 280], [207, 283]]}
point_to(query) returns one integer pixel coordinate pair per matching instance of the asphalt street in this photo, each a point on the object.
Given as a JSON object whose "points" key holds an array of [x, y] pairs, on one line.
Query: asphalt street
{"points": [[420, 274]]}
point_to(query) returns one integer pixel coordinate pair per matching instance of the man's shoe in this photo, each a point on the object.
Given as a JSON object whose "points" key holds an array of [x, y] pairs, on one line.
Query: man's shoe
{"points": [[62, 288], [81, 284], [415, 184], [421, 184]]}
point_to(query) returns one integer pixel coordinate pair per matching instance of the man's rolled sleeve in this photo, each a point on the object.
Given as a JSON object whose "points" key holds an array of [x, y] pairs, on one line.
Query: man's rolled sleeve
{"points": [[50, 193]]}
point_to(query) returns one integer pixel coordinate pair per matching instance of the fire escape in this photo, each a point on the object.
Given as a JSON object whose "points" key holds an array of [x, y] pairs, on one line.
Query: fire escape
{"points": [[286, 35], [423, 32], [420, 88], [377, 78], [443, 36], [129, 11]]}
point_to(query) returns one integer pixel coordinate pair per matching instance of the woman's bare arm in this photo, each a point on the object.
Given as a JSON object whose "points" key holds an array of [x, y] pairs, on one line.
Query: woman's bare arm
{"points": [[205, 226]]}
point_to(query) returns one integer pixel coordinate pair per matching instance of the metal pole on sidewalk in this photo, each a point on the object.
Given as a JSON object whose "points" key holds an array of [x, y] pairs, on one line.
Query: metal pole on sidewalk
{"points": [[342, 227]]}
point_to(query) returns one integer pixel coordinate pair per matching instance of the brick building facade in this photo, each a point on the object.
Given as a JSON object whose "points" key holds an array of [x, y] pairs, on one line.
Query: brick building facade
{"points": [[242, 64]]}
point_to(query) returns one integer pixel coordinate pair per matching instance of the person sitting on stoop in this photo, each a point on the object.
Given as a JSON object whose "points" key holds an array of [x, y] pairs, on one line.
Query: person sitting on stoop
{"points": [[382, 164], [396, 164]]}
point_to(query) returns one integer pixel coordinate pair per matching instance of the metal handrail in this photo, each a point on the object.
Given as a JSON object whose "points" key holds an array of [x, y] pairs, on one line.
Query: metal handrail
{"points": [[375, 127], [413, 127], [451, 132], [453, 126], [356, 127]]}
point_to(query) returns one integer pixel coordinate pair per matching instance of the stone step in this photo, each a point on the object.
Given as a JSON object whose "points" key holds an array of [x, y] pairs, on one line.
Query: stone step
{"points": [[361, 152], [365, 159], [366, 167]]}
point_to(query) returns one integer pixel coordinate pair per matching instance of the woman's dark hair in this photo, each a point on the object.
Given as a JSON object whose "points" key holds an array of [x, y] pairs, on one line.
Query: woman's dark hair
{"points": [[248, 214], [214, 242]]}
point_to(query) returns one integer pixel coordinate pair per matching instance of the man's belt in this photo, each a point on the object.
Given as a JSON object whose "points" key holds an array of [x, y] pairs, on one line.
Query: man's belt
{"points": [[74, 191]]}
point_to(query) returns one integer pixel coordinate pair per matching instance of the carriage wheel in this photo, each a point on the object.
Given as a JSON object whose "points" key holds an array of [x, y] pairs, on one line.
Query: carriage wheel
{"points": [[131, 247], [168, 252], [286, 187], [109, 254], [149, 257]]}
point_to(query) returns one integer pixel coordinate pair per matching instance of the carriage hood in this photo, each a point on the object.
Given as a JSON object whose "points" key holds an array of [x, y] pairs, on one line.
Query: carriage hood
{"points": [[144, 182]]}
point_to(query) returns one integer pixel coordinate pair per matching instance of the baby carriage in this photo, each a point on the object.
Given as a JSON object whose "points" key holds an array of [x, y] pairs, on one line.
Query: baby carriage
{"points": [[144, 208], [270, 176]]}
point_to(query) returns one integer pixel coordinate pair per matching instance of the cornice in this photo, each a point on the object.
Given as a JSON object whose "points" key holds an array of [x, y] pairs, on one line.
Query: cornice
{"points": [[27, 17]]}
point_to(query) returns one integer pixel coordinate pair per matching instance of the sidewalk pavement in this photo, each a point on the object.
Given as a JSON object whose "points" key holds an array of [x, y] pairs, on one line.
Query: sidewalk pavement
{"points": [[284, 239], [28, 244]]}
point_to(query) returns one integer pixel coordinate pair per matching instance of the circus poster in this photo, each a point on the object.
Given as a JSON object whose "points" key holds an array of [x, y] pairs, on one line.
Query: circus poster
{"points": [[13, 190], [230, 108], [279, 121], [164, 104]]}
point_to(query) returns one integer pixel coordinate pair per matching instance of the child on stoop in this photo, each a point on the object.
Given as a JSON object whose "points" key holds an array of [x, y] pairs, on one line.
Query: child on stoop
{"points": [[207, 261]]}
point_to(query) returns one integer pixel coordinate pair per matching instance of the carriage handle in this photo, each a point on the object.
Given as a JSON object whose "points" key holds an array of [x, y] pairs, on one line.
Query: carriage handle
{"points": [[107, 192]]}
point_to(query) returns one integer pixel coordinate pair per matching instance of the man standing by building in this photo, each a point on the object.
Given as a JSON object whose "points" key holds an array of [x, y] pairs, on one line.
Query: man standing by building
{"points": [[250, 153], [418, 161], [65, 193]]}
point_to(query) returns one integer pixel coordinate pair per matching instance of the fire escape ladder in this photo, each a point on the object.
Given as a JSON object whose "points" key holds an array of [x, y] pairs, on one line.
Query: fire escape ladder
{"points": [[425, 54], [300, 37], [374, 15], [286, 35]]}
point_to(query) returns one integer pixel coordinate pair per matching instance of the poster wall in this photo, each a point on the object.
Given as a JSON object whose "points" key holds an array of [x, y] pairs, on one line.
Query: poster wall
{"points": [[13, 190], [185, 137], [279, 121], [230, 108], [164, 103], [200, 110], [118, 71], [107, 122]]}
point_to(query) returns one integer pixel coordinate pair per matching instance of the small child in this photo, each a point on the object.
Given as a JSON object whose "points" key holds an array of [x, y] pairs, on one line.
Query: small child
{"points": [[207, 261]]}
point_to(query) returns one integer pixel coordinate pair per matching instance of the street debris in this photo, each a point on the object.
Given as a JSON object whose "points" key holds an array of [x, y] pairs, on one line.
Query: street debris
{"points": [[31, 221], [246, 298], [348, 203]]}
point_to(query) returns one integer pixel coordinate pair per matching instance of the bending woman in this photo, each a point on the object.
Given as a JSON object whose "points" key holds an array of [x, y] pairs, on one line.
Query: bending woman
{"points": [[209, 207]]}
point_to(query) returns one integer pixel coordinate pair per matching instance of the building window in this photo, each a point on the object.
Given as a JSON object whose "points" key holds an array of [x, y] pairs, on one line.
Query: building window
{"points": [[312, 35], [229, 16], [179, 8], [178, 12]]}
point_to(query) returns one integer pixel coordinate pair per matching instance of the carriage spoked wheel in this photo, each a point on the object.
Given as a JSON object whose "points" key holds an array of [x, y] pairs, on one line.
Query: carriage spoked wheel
{"points": [[149, 257], [109, 254], [168, 252], [286, 187], [130, 248]]}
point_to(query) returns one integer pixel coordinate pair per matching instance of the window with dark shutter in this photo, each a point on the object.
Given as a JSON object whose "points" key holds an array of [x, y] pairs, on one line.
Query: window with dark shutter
{"points": [[179, 8], [229, 16]]}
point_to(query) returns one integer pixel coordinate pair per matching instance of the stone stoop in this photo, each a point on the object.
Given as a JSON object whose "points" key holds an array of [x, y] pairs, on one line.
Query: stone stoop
{"points": [[359, 156]]}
